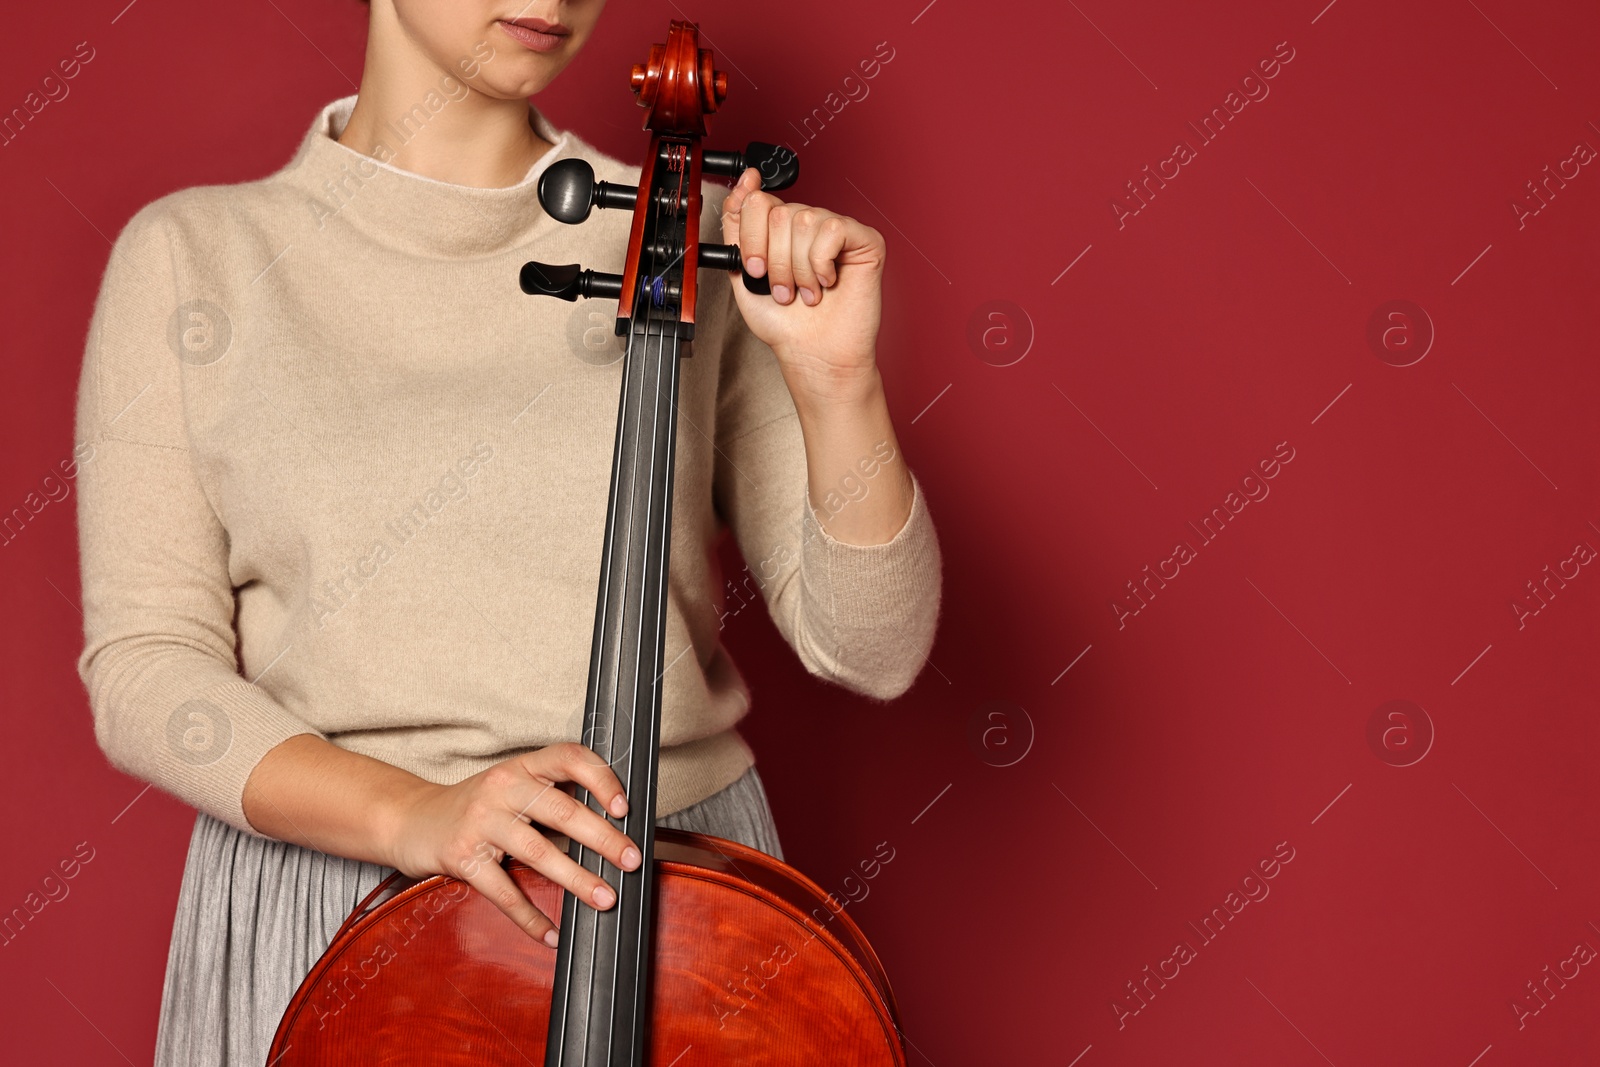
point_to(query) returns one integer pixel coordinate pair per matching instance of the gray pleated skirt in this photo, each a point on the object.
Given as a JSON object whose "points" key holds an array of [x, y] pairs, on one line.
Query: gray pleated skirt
{"points": [[255, 915]]}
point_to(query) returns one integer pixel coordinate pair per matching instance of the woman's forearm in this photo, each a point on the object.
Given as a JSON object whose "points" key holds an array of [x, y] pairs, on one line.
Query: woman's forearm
{"points": [[310, 792], [858, 495]]}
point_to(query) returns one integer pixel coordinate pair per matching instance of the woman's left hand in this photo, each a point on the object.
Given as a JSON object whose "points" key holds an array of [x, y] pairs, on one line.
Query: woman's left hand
{"points": [[826, 274]]}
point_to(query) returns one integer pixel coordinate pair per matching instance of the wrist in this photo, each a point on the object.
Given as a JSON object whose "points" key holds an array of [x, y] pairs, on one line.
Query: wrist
{"points": [[394, 817], [842, 396]]}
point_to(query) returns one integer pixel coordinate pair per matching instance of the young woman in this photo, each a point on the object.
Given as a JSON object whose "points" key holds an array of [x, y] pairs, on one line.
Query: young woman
{"points": [[340, 529]]}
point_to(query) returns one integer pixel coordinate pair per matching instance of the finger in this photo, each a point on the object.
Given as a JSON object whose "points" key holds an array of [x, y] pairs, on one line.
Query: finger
{"points": [[803, 230], [780, 237], [493, 882], [538, 852], [551, 806], [572, 762], [748, 183], [753, 226], [825, 249]]}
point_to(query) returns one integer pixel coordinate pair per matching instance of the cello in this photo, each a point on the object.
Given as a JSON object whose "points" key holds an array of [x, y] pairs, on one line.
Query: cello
{"points": [[714, 953]]}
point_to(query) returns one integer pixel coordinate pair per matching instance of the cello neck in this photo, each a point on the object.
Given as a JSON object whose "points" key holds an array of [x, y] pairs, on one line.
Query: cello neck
{"points": [[601, 997]]}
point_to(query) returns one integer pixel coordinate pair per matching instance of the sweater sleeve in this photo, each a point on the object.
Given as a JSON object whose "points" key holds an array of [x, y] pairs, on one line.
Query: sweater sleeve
{"points": [[861, 616], [158, 660]]}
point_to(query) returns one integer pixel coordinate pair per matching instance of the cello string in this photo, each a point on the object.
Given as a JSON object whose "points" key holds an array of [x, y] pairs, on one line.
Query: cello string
{"points": [[639, 373], [647, 581], [665, 367], [665, 399], [585, 926], [659, 323], [583, 921], [665, 392], [632, 392]]}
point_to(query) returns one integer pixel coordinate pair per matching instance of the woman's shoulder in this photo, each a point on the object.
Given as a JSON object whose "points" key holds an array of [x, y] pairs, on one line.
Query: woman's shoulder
{"points": [[198, 210], [209, 214], [187, 227]]}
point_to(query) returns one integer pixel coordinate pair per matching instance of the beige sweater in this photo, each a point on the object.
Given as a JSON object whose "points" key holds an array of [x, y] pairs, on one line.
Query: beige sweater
{"points": [[344, 478]]}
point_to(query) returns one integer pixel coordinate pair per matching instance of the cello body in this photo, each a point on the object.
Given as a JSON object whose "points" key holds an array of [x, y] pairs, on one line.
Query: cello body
{"points": [[752, 964]]}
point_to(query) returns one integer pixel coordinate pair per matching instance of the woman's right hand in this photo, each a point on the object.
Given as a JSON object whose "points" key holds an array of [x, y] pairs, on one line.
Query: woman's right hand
{"points": [[465, 830]]}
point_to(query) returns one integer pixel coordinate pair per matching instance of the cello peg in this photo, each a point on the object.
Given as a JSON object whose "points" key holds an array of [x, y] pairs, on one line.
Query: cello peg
{"points": [[568, 281], [568, 190], [726, 257], [779, 167]]}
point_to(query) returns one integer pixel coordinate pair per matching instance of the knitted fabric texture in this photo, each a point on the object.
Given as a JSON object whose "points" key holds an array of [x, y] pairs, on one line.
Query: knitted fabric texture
{"points": [[342, 477]]}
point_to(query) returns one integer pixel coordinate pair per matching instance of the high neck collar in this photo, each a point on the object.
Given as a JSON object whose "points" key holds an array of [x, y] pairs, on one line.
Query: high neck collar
{"points": [[409, 211]]}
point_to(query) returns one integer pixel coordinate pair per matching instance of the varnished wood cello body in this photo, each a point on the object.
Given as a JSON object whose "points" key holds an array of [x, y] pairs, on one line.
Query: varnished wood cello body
{"points": [[714, 953]]}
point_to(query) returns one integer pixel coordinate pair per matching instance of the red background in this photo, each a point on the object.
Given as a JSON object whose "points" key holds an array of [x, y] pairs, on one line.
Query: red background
{"points": [[1227, 316]]}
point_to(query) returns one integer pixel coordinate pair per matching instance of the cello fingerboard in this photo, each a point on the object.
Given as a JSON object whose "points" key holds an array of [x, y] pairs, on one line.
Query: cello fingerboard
{"points": [[600, 998]]}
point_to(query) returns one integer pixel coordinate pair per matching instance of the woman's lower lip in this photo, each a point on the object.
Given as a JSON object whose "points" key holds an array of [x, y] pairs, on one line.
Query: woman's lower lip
{"points": [[534, 39]]}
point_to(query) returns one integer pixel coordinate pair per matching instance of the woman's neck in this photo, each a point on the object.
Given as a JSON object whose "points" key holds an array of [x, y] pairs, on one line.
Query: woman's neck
{"points": [[465, 137]]}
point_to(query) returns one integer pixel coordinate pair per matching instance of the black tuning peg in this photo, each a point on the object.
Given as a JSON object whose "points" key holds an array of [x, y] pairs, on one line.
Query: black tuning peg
{"points": [[567, 191], [726, 257], [778, 166], [568, 281]]}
